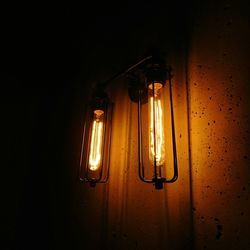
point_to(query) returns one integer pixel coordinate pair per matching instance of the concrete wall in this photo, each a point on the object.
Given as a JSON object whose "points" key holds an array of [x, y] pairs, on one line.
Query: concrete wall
{"points": [[218, 79]]}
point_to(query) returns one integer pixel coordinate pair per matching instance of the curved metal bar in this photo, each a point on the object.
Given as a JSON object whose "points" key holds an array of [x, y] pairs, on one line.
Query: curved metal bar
{"points": [[81, 157], [109, 140], [123, 72], [140, 157], [175, 175], [154, 129]]}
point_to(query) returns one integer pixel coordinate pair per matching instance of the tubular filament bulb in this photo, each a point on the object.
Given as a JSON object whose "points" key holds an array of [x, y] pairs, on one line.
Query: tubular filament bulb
{"points": [[95, 155], [156, 132]]}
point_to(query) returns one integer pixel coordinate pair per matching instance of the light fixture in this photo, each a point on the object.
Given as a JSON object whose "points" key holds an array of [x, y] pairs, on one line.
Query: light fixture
{"points": [[94, 162], [156, 130], [150, 80]]}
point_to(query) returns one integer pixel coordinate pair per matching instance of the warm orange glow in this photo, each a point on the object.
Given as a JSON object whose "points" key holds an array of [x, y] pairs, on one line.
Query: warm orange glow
{"points": [[156, 131], [95, 155]]}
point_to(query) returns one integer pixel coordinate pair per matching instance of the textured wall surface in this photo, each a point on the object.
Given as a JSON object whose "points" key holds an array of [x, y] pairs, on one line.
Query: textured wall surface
{"points": [[219, 92]]}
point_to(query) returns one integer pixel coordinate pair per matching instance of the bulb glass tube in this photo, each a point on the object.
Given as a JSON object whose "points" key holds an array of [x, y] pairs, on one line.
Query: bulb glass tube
{"points": [[156, 126], [96, 141]]}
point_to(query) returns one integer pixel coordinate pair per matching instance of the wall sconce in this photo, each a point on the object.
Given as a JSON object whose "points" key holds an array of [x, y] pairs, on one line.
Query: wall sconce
{"points": [[151, 96], [94, 161], [150, 79]]}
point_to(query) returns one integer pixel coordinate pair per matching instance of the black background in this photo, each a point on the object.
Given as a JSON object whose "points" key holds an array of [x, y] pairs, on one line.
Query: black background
{"points": [[50, 54]]}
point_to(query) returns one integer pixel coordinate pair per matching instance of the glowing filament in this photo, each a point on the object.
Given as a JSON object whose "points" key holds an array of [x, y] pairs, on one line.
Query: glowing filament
{"points": [[156, 133], [95, 155]]}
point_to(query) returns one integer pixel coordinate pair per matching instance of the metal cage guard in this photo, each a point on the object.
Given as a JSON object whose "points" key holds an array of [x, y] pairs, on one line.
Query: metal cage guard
{"points": [[158, 181]]}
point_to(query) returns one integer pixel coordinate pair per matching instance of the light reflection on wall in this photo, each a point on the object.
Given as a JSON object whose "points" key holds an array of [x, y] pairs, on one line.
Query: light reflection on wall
{"points": [[137, 215]]}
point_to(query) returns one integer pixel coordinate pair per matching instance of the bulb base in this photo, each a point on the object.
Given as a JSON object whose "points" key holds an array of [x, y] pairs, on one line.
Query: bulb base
{"points": [[158, 182]]}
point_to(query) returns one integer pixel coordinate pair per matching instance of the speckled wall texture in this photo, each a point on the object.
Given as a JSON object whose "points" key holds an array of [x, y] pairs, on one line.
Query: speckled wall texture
{"points": [[219, 93]]}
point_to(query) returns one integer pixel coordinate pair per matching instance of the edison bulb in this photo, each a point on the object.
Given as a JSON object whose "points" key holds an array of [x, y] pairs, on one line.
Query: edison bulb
{"points": [[96, 142], [156, 126]]}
